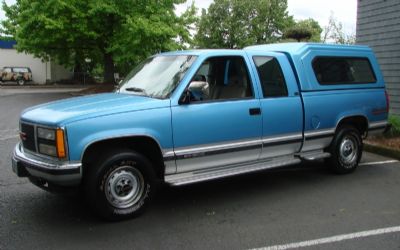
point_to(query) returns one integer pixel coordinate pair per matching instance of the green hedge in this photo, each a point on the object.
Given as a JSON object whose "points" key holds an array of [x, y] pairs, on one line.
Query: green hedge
{"points": [[395, 129]]}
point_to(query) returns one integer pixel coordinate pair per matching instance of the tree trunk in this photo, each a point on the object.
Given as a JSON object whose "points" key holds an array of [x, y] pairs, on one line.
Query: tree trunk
{"points": [[79, 77], [109, 68], [78, 71]]}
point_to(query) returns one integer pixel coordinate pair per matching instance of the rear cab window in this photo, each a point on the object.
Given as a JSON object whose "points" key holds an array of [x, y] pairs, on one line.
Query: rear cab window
{"points": [[334, 70], [272, 79]]}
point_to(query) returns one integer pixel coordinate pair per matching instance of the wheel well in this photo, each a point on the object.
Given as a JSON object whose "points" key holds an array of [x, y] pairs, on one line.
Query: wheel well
{"points": [[359, 122], [141, 144]]}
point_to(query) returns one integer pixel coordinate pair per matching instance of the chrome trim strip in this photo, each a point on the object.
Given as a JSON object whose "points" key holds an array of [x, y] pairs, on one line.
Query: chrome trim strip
{"points": [[217, 147], [376, 128], [373, 125], [320, 132], [168, 154], [289, 137], [220, 152], [242, 145], [43, 163]]}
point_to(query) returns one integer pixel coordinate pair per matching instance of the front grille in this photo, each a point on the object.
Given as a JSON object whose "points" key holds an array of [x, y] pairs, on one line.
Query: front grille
{"points": [[28, 138]]}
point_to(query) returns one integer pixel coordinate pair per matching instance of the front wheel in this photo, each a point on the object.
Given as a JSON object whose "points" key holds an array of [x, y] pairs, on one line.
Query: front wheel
{"points": [[346, 150], [121, 186], [20, 81]]}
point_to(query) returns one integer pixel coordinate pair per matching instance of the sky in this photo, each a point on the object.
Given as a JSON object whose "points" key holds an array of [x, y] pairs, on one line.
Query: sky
{"points": [[345, 11], [8, 2]]}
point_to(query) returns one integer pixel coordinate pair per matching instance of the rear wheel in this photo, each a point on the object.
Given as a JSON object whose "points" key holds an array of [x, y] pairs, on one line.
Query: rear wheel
{"points": [[346, 150], [121, 186]]}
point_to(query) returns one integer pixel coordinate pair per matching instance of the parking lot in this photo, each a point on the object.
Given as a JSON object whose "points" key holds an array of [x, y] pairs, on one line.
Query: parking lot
{"points": [[305, 206]]}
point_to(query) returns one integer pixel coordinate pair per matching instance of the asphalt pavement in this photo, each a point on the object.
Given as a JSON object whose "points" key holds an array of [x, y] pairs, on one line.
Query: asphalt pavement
{"points": [[305, 206]]}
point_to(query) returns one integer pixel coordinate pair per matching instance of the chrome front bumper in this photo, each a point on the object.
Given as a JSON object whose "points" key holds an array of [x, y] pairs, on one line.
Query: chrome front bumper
{"points": [[62, 173]]}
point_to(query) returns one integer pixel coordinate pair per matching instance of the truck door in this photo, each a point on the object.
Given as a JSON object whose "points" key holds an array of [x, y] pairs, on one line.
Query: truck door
{"points": [[221, 123], [281, 106]]}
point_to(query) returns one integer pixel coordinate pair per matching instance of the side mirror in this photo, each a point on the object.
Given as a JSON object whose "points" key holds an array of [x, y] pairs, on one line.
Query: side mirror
{"points": [[185, 98], [196, 91]]}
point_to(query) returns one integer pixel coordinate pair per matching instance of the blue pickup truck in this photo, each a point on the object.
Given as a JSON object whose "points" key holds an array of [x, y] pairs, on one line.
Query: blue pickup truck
{"points": [[189, 116]]}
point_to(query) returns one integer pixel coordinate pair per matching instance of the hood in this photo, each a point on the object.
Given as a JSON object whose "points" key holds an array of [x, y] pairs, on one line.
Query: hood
{"points": [[61, 112]]}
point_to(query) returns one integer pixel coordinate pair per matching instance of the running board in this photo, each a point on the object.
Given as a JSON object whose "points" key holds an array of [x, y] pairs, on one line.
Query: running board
{"points": [[211, 174], [314, 155]]}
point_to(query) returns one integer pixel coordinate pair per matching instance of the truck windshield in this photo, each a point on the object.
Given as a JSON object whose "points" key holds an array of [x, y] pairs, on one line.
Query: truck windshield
{"points": [[157, 76]]}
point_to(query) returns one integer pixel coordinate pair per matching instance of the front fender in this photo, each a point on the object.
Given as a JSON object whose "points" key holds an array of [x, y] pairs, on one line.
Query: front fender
{"points": [[154, 123]]}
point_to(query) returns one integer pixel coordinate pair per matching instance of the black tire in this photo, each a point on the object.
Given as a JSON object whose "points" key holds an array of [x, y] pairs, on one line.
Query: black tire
{"points": [[120, 185], [20, 81], [346, 150]]}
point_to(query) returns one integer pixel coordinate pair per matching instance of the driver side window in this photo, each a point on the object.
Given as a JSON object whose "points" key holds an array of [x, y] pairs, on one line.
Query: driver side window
{"points": [[221, 78]]}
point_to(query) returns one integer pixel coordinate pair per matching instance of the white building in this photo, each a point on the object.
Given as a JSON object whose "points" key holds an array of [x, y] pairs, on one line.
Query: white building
{"points": [[42, 72]]}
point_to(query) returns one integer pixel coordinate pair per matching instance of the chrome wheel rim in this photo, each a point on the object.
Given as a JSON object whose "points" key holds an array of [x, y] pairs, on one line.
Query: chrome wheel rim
{"points": [[124, 187], [348, 150]]}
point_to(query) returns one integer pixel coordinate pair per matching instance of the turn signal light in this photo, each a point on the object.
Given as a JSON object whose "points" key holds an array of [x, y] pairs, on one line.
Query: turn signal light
{"points": [[60, 144]]}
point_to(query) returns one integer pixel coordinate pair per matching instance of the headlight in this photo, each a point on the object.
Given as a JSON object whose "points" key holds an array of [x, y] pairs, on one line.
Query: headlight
{"points": [[51, 142], [48, 149], [47, 134]]}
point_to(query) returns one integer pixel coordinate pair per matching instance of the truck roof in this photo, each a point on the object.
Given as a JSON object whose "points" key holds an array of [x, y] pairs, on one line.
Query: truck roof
{"points": [[291, 48], [198, 52], [301, 48]]}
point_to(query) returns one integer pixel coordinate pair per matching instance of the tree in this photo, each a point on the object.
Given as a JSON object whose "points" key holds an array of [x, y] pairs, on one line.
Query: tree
{"points": [[314, 27], [6, 38], [110, 33], [335, 33], [238, 23], [304, 30]]}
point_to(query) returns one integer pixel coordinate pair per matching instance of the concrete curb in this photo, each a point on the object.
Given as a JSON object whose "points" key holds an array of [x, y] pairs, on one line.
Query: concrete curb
{"points": [[47, 86], [377, 149]]}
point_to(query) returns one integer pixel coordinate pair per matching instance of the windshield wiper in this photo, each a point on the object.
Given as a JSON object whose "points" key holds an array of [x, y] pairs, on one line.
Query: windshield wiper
{"points": [[135, 89]]}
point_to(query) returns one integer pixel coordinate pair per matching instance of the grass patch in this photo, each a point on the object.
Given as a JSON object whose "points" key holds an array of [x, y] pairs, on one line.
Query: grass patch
{"points": [[389, 141], [395, 129]]}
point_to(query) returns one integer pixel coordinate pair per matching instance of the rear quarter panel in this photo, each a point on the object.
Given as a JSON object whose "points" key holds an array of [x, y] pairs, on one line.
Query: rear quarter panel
{"points": [[326, 105], [325, 109]]}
